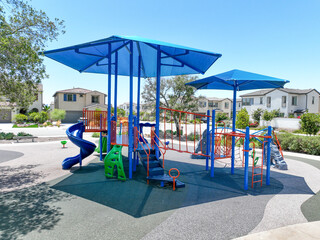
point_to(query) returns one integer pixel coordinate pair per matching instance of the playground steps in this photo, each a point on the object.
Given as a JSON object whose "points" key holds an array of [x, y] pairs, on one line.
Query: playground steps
{"points": [[156, 172], [166, 178]]}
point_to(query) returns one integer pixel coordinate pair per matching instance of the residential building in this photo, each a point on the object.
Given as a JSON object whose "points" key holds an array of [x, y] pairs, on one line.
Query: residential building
{"points": [[126, 107], [8, 110], [223, 105], [76, 99], [290, 101]]}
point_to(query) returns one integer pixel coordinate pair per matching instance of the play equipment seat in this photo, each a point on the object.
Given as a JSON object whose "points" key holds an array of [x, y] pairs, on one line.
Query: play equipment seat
{"points": [[114, 158]]}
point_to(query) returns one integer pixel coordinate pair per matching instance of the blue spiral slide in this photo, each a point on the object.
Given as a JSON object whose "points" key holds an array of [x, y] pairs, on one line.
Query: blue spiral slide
{"points": [[75, 134]]}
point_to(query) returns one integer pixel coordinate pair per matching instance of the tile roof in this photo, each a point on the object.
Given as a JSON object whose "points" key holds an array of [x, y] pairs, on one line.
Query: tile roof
{"points": [[76, 90], [287, 90]]}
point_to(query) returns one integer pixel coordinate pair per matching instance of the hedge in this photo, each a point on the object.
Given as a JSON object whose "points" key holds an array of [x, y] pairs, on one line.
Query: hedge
{"points": [[300, 144]]}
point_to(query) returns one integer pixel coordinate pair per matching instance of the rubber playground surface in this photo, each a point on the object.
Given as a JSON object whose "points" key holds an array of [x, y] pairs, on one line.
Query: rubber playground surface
{"points": [[39, 200]]}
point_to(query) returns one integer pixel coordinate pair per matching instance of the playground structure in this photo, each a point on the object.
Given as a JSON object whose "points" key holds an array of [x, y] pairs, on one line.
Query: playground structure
{"points": [[140, 57]]}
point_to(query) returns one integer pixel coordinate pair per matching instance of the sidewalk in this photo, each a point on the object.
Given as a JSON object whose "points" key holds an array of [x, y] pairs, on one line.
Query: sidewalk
{"points": [[38, 132], [305, 231]]}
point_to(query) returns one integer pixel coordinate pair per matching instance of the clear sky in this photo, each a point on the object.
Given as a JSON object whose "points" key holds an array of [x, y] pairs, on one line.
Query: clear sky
{"points": [[272, 37]]}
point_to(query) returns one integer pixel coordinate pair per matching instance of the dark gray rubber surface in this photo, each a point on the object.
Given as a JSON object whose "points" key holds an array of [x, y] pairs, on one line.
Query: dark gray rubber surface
{"points": [[310, 208], [9, 155]]}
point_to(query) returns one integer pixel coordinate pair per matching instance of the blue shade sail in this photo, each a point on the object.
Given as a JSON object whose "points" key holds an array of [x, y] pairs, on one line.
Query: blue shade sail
{"points": [[241, 80], [92, 57]]}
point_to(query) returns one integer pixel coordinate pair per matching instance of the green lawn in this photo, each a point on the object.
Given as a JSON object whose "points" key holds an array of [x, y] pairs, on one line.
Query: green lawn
{"points": [[30, 126]]}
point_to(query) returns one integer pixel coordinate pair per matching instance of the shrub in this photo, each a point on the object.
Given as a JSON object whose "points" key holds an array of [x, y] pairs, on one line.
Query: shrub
{"points": [[58, 114], [310, 123], [221, 116], [34, 117], [267, 116], [302, 144], [192, 137], [299, 131], [23, 134], [256, 115], [43, 117], [95, 135], [20, 118], [276, 113], [242, 119]]}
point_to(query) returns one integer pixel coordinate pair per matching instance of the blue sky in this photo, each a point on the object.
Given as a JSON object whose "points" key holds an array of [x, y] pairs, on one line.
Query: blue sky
{"points": [[270, 37]]}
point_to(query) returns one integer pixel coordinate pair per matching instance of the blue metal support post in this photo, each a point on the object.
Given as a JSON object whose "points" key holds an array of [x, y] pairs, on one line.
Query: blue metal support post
{"points": [[208, 140], [212, 142], [268, 155], [246, 157], [138, 101], [135, 154], [130, 150], [158, 98], [109, 99], [234, 113], [115, 112], [100, 137]]}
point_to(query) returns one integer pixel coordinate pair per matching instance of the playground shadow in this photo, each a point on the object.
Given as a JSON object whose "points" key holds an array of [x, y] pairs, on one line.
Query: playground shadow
{"points": [[26, 209], [136, 198]]}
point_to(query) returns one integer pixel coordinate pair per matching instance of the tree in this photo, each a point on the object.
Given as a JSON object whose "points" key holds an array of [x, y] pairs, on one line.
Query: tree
{"points": [[24, 32], [256, 115], [46, 108], [57, 114], [310, 123], [242, 119], [174, 94], [221, 116]]}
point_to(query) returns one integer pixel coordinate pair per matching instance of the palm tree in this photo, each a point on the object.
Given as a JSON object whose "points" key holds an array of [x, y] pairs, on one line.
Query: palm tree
{"points": [[46, 108]]}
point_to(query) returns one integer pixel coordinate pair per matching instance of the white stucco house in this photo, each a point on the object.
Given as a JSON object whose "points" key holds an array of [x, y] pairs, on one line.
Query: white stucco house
{"points": [[291, 102], [74, 100], [9, 110], [126, 107]]}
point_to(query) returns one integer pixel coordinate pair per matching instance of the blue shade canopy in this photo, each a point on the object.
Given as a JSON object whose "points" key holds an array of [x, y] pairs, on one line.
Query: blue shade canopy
{"points": [[92, 57], [238, 79]]}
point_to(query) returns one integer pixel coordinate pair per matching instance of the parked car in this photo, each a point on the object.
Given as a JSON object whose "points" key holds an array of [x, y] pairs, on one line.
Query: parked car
{"points": [[203, 119]]}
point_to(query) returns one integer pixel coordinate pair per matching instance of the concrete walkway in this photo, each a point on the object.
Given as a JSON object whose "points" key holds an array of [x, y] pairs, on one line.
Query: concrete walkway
{"points": [[38, 200], [305, 231]]}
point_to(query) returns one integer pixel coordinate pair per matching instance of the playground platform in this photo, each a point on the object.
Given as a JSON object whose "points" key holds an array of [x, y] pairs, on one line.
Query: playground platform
{"points": [[39, 201]]}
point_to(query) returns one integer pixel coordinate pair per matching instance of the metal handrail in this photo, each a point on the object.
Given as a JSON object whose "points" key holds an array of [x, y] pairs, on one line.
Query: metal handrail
{"points": [[164, 147], [138, 139]]}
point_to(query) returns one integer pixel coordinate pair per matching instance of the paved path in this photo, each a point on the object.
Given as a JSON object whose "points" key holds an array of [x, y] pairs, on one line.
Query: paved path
{"points": [[39, 132], [40, 201]]}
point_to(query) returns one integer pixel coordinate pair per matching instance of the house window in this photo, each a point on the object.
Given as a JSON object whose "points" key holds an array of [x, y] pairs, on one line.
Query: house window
{"points": [[312, 100], [202, 104], [36, 97], [81, 95], [94, 99], [261, 100], [247, 101], [70, 97], [284, 101], [226, 105], [268, 102], [294, 101], [281, 114]]}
